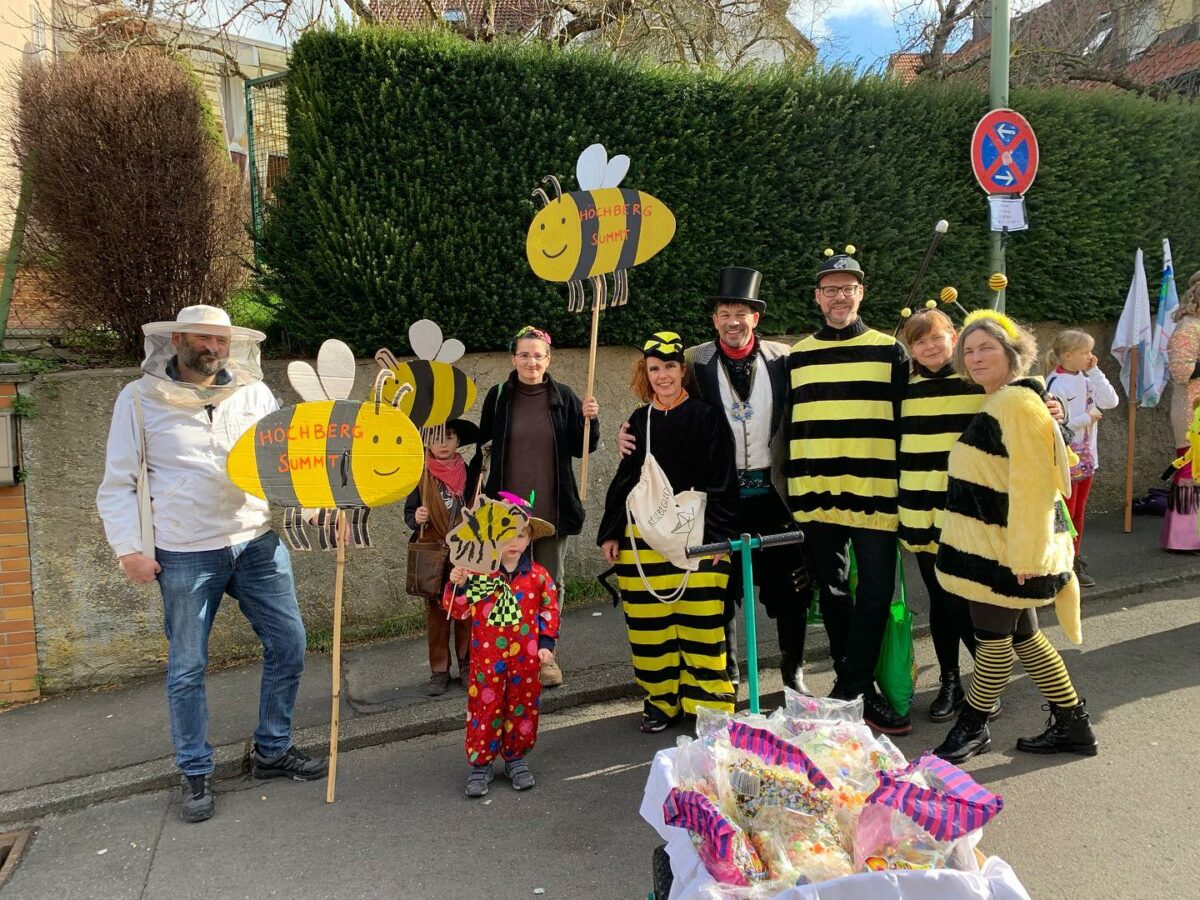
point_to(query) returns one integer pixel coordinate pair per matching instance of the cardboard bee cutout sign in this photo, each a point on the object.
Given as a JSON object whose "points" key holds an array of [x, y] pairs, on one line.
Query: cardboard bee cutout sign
{"points": [[328, 452], [599, 230], [489, 526], [440, 391]]}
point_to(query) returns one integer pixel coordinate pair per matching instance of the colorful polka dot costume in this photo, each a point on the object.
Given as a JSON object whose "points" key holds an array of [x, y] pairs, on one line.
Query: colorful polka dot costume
{"points": [[512, 616]]}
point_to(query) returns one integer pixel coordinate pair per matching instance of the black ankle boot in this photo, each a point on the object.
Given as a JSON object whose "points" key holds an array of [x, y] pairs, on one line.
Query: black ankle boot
{"points": [[949, 699], [969, 737], [1068, 731]]}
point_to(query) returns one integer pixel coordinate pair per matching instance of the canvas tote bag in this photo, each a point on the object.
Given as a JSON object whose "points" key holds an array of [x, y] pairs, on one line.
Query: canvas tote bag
{"points": [[667, 521]]}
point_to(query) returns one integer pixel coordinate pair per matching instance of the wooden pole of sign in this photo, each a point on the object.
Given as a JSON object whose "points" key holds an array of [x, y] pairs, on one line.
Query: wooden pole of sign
{"points": [[1130, 440], [597, 299], [331, 780]]}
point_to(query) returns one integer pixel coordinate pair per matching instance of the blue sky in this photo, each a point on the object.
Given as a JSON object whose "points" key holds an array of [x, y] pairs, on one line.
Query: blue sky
{"points": [[860, 32]]}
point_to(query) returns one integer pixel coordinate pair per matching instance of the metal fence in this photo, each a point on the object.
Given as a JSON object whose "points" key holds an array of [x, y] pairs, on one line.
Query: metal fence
{"points": [[266, 134]]}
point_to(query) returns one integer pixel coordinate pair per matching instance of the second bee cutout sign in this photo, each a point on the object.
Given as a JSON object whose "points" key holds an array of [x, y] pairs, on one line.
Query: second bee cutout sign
{"points": [[601, 229]]}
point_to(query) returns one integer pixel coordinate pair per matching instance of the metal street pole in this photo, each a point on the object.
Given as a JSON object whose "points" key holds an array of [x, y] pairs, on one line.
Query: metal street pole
{"points": [[999, 100]]}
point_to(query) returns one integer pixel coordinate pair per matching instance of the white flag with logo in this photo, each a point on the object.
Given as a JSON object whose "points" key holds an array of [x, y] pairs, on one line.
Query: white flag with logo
{"points": [[1134, 331], [1157, 375]]}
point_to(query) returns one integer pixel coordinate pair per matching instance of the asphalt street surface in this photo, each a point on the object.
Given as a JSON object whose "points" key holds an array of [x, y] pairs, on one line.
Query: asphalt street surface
{"points": [[1120, 825]]}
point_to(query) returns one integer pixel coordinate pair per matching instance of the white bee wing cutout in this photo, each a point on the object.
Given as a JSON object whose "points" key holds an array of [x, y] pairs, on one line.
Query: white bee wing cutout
{"points": [[615, 171], [305, 381], [335, 366], [452, 351], [425, 335], [589, 169]]}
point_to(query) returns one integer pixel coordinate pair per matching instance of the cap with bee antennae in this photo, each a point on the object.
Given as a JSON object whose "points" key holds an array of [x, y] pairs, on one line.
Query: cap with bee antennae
{"points": [[840, 262]]}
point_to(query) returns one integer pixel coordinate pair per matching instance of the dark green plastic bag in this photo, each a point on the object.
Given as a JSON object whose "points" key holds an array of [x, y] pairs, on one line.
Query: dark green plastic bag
{"points": [[895, 672]]}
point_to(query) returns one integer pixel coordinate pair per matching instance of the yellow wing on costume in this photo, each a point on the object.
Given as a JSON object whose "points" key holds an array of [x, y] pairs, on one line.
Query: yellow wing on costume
{"points": [[1193, 436]]}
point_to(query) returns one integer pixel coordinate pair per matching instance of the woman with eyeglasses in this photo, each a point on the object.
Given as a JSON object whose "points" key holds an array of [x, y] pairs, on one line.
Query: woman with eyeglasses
{"points": [[534, 426]]}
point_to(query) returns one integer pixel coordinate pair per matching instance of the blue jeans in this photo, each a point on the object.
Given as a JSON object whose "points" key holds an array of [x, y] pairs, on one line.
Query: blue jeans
{"points": [[258, 574]]}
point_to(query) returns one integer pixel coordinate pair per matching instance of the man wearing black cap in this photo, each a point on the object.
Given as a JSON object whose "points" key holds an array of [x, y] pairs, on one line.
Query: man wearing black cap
{"points": [[747, 378], [847, 384]]}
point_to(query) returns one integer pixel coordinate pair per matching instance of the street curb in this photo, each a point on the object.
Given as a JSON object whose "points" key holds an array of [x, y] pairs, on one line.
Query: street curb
{"points": [[594, 685]]}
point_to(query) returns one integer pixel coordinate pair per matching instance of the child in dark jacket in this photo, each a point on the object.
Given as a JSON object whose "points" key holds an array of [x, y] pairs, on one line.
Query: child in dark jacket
{"points": [[514, 628], [431, 511]]}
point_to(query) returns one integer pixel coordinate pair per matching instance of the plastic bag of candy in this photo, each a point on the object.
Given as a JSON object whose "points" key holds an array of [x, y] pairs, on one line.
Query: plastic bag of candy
{"points": [[721, 844], [919, 817], [799, 848], [802, 706]]}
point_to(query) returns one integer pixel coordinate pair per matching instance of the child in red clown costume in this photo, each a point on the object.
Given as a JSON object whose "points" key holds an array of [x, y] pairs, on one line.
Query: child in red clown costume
{"points": [[514, 628]]}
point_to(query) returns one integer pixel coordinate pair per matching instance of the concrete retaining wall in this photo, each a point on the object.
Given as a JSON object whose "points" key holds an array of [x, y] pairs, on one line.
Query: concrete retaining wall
{"points": [[93, 627]]}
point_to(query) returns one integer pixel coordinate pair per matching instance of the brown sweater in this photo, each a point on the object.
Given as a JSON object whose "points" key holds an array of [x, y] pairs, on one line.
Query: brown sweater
{"points": [[530, 453]]}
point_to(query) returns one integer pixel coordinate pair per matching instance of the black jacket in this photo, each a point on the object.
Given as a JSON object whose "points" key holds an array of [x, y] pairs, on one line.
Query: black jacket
{"points": [[694, 447], [704, 364], [566, 415]]}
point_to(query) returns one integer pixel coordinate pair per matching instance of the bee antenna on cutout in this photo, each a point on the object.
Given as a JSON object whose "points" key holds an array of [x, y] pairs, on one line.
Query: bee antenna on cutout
{"points": [[385, 358], [538, 192], [553, 182], [381, 379], [400, 393]]}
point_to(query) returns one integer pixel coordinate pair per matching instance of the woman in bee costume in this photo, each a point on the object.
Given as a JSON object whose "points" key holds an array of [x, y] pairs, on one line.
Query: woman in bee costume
{"points": [[678, 646]]}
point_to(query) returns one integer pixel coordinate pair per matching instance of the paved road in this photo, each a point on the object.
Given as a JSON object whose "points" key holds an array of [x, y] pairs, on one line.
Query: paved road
{"points": [[1122, 825]]}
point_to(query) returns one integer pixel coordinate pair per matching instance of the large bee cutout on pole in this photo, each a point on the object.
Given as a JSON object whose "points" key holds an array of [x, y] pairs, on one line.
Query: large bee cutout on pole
{"points": [[434, 389], [329, 453], [599, 230]]}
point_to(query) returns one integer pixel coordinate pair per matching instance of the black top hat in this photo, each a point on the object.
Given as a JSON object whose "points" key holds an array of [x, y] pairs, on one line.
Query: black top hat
{"points": [[467, 431], [737, 284], [840, 262]]}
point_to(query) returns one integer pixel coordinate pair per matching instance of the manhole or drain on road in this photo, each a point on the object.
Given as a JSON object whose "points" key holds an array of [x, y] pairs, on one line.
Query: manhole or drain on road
{"points": [[12, 845]]}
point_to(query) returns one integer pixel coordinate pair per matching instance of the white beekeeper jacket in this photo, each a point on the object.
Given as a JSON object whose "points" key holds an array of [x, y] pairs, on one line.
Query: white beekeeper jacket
{"points": [[188, 435]]}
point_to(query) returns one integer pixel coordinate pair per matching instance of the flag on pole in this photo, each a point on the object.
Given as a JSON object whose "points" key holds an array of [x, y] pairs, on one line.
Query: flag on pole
{"points": [[1157, 375], [1134, 331]]}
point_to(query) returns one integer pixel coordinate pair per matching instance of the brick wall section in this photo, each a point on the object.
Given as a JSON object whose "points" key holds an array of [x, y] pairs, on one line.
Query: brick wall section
{"points": [[18, 643]]}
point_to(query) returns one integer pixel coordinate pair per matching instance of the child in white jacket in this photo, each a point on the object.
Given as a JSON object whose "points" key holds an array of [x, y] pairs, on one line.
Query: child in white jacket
{"points": [[1074, 377]]}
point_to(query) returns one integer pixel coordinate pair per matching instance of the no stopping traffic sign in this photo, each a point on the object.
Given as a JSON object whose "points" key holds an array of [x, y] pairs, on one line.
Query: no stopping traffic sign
{"points": [[1004, 152]]}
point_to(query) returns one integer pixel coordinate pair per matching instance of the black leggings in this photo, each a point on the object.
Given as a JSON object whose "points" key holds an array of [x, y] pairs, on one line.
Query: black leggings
{"points": [[949, 617], [994, 622]]}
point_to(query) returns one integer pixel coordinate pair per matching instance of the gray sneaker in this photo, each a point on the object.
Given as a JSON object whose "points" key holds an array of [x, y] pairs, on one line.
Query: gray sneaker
{"points": [[478, 780], [518, 773], [198, 803]]}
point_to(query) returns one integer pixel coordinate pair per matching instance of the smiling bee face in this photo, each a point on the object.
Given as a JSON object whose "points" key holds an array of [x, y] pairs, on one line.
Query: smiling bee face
{"points": [[555, 240], [386, 456]]}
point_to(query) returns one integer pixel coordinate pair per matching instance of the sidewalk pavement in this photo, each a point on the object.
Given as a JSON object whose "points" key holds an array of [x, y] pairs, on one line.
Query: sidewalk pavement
{"points": [[80, 748]]}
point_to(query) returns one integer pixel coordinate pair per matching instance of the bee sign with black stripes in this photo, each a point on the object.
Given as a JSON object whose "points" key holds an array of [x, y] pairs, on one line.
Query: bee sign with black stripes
{"points": [[330, 453], [336, 456], [587, 235]]}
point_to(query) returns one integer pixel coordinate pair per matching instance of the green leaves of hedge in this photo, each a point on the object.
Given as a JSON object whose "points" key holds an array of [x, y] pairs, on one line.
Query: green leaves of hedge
{"points": [[413, 157]]}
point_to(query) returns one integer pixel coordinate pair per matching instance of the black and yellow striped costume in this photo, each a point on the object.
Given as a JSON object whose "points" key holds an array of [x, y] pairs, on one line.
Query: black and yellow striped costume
{"points": [[937, 408], [846, 388], [1003, 516], [678, 648]]}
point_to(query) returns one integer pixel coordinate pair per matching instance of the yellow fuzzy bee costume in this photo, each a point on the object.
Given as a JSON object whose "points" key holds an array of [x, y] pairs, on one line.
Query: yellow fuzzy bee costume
{"points": [[1003, 517]]}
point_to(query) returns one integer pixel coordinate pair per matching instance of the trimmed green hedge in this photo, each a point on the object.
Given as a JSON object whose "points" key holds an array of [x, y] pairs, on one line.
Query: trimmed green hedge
{"points": [[413, 157]]}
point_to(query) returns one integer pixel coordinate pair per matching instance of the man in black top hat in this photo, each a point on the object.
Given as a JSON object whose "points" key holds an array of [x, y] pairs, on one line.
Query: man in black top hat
{"points": [[747, 378]]}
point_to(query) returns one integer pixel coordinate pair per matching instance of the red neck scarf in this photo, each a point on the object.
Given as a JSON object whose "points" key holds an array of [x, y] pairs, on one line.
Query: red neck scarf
{"points": [[742, 353], [451, 472]]}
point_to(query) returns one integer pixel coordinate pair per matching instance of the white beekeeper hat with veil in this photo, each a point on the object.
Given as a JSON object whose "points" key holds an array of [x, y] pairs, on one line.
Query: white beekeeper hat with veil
{"points": [[243, 367]]}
